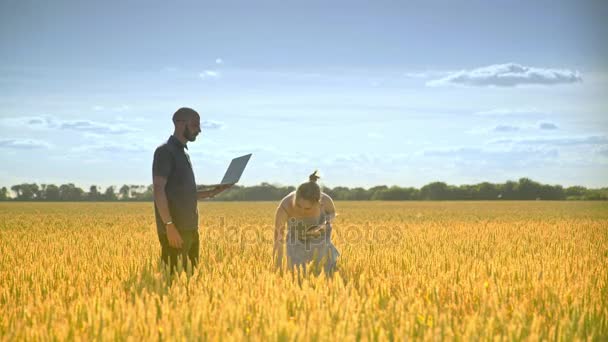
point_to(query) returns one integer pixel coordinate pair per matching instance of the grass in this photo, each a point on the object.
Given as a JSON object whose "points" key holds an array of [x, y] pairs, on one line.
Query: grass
{"points": [[420, 270]]}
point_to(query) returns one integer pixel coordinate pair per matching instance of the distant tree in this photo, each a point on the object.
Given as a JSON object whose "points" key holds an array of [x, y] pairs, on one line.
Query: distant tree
{"points": [[17, 190], [354, 194], [26, 192], [51, 192], [508, 191], [110, 195], [552, 192], [93, 194], [596, 194], [487, 191], [528, 189], [42, 192], [125, 192], [359, 194], [575, 192], [395, 193], [373, 190], [453, 193], [136, 191], [147, 194], [70, 192], [263, 192], [341, 193], [378, 188], [464, 192], [328, 191], [434, 191], [524, 189]]}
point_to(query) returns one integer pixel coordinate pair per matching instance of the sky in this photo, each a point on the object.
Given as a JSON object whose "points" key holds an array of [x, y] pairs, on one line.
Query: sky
{"points": [[367, 92]]}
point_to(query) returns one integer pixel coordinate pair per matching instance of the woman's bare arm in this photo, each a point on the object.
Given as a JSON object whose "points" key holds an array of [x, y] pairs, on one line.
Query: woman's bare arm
{"points": [[330, 209], [279, 235]]}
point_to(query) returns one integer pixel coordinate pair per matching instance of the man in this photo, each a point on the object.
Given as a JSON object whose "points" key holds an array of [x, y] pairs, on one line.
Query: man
{"points": [[175, 193]]}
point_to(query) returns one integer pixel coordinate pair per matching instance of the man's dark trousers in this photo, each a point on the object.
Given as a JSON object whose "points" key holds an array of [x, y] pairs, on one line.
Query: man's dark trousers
{"points": [[187, 256]]}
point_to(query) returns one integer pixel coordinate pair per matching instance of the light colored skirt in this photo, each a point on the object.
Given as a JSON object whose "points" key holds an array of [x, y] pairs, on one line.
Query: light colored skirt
{"points": [[318, 253]]}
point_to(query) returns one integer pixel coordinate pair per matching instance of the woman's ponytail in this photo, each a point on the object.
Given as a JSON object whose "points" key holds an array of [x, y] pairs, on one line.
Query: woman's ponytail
{"points": [[313, 177]]}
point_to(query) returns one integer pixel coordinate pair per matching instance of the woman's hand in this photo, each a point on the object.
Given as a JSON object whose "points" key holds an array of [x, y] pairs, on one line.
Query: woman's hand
{"points": [[277, 254]]}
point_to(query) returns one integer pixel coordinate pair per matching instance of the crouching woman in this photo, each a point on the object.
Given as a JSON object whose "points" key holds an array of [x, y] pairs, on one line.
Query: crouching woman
{"points": [[307, 213]]}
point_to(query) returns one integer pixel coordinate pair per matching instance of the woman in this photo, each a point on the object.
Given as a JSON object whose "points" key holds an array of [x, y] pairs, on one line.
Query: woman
{"points": [[307, 213]]}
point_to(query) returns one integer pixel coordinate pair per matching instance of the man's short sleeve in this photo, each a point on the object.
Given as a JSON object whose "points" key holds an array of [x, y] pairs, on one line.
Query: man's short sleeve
{"points": [[163, 162]]}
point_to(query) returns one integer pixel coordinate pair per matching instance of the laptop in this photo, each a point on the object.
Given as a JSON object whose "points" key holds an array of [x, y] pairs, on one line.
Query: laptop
{"points": [[233, 173]]}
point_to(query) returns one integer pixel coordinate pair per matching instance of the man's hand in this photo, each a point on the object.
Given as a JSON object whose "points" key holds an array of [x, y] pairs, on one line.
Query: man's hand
{"points": [[221, 189], [175, 240], [212, 193]]}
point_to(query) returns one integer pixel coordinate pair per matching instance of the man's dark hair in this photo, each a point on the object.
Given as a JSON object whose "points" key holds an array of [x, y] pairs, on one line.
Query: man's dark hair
{"points": [[184, 114]]}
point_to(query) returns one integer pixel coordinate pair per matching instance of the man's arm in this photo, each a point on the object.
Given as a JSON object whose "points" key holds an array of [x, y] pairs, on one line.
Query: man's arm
{"points": [[162, 204], [162, 166], [160, 198]]}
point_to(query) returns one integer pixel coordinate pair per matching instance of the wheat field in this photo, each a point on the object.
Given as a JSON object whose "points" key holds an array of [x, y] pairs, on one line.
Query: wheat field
{"points": [[408, 270]]}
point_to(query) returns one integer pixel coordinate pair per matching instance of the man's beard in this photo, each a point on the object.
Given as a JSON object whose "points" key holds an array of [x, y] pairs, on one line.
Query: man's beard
{"points": [[188, 134]]}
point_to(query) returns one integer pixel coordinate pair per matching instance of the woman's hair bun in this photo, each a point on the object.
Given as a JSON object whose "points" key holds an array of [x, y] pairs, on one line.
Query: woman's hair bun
{"points": [[313, 177], [310, 191]]}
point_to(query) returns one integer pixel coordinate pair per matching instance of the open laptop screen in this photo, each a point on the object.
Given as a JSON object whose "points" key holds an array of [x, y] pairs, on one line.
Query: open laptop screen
{"points": [[235, 170]]}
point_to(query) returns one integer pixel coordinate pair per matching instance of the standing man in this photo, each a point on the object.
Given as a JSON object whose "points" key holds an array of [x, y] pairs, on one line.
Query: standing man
{"points": [[175, 193]]}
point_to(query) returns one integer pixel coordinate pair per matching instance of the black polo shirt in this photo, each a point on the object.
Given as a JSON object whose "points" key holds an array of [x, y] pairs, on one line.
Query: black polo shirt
{"points": [[172, 162]]}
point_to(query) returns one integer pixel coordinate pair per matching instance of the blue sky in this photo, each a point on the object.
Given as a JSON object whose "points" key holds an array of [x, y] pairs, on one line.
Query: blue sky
{"points": [[382, 92]]}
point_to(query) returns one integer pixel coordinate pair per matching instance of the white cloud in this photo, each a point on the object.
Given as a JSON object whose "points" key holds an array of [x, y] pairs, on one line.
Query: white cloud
{"points": [[547, 126], [35, 122], [208, 74], [219, 61], [212, 124], [130, 119], [556, 141], [83, 126], [508, 75], [476, 152], [515, 127], [122, 108], [24, 144], [416, 75], [426, 74], [112, 148], [510, 112], [88, 126], [471, 158], [505, 128]]}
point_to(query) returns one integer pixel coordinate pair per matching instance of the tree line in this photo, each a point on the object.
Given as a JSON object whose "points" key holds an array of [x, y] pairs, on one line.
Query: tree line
{"points": [[523, 189]]}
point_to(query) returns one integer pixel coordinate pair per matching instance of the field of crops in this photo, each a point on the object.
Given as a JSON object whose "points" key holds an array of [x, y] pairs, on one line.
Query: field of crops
{"points": [[427, 270]]}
